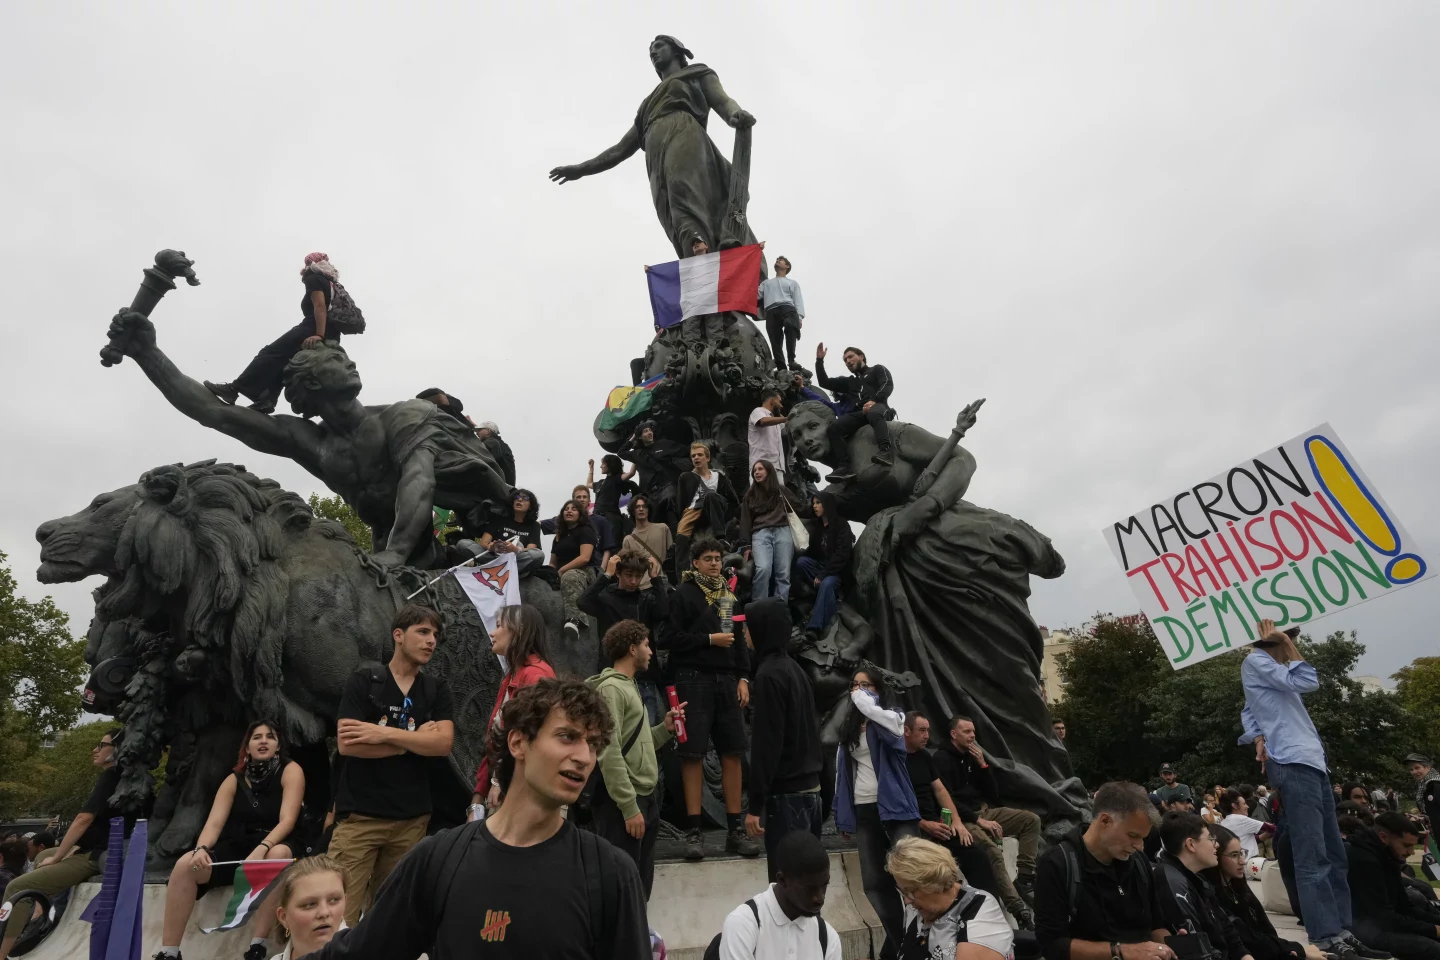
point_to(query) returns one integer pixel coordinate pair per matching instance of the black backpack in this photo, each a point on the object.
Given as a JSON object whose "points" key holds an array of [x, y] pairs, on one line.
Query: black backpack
{"points": [[602, 885], [342, 314], [712, 952]]}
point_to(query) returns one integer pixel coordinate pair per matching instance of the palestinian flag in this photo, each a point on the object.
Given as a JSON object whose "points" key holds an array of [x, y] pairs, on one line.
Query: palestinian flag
{"points": [[252, 879], [627, 403]]}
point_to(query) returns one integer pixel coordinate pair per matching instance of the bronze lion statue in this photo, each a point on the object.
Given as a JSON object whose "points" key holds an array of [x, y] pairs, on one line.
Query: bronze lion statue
{"points": [[227, 599]]}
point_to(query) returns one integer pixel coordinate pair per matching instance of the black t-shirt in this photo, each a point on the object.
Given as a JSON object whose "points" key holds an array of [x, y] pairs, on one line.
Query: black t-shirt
{"points": [[314, 281], [609, 491], [391, 788], [508, 529], [566, 546], [97, 835], [503, 903], [922, 778]]}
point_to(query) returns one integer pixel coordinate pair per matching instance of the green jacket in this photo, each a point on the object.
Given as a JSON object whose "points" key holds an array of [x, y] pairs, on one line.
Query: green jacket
{"points": [[637, 772]]}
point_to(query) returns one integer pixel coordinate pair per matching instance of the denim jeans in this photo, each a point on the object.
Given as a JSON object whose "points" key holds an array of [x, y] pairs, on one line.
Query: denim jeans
{"points": [[827, 595], [1317, 848], [785, 812], [873, 839], [773, 552]]}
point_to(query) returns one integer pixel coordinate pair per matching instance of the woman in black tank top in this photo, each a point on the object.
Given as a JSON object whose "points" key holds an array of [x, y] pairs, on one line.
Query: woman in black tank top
{"points": [[254, 812]]}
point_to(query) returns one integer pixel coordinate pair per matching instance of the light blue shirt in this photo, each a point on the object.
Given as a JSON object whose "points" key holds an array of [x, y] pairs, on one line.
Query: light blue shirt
{"points": [[774, 290], [1274, 710]]}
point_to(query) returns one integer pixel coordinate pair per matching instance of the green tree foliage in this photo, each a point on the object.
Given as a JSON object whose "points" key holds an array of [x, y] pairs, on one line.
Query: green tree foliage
{"points": [[1128, 712], [1108, 666], [41, 665], [61, 777], [1418, 689], [41, 669], [334, 508]]}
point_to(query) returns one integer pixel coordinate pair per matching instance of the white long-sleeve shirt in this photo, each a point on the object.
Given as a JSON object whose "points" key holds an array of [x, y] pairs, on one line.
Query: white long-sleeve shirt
{"points": [[775, 290]]}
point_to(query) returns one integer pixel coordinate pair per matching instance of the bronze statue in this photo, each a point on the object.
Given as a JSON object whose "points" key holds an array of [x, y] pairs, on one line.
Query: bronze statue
{"points": [[391, 463], [226, 599], [945, 585], [697, 194]]}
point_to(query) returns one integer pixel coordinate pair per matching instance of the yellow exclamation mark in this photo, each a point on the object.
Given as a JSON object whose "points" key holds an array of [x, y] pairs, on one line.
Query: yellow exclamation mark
{"points": [[1361, 509]]}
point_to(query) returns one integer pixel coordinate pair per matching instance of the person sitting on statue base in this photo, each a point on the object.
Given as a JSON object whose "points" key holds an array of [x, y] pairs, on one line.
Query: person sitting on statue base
{"points": [[253, 814], [826, 561], [871, 386], [518, 533], [261, 380]]}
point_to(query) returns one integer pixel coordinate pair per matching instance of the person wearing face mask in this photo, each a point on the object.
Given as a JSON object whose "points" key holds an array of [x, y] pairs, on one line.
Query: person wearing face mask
{"points": [[310, 906], [519, 640], [75, 859], [252, 816], [874, 799]]}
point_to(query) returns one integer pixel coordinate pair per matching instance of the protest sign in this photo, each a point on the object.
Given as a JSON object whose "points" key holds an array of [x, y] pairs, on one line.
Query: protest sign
{"points": [[1294, 534]]}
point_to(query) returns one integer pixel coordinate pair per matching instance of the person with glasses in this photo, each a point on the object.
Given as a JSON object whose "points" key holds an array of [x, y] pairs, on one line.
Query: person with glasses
{"points": [[75, 860], [874, 800], [1234, 817], [945, 916], [519, 533], [1192, 904], [1232, 889], [393, 718]]}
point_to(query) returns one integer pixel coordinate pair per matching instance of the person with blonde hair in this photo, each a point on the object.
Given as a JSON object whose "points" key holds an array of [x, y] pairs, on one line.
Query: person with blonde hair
{"points": [[944, 917], [309, 905]]}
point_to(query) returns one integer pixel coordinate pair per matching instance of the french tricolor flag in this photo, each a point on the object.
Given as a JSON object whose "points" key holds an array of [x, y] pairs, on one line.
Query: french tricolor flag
{"points": [[710, 283]]}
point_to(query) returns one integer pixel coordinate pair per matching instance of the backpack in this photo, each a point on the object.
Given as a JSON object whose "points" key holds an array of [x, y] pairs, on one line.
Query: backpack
{"points": [[342, 314], [712, 952], [602, 885], [595, 787], [1072, 876]]}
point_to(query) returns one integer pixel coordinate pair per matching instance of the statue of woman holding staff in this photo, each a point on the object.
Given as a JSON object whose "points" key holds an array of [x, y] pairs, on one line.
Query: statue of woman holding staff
{"points": [[690, 181]]}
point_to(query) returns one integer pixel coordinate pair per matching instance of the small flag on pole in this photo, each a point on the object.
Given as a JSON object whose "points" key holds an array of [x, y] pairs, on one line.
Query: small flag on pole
{"points": [[710, 283], [490, 586], [252, 879]]}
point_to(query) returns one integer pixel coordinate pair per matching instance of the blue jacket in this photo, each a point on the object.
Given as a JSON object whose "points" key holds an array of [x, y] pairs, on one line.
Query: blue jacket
{"points": [[896, 797]]}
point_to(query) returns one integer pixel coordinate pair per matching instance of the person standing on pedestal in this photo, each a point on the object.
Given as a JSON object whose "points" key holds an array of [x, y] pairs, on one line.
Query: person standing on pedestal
{"points": [[1291, 755], [784, 311], [260, 381]]}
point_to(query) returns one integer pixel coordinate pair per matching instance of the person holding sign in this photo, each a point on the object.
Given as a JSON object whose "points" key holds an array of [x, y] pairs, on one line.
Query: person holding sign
{"points": [[1291, 755]]}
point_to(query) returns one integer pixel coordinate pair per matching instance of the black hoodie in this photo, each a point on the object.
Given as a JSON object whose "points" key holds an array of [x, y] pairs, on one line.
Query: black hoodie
{"points": [[784, 731], [970, 785], [1376, 893], [836, 543]]}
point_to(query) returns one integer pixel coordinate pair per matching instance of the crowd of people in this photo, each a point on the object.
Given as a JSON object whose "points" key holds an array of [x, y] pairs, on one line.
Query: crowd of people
{"points": [[557, 856]]}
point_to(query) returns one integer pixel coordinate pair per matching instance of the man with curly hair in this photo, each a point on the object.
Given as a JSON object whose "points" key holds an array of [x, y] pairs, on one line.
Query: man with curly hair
{"points": [[524, 882], [625, 809]]}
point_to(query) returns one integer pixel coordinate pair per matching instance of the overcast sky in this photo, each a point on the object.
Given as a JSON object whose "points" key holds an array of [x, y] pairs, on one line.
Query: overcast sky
{"points": [[1157, 237]]}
